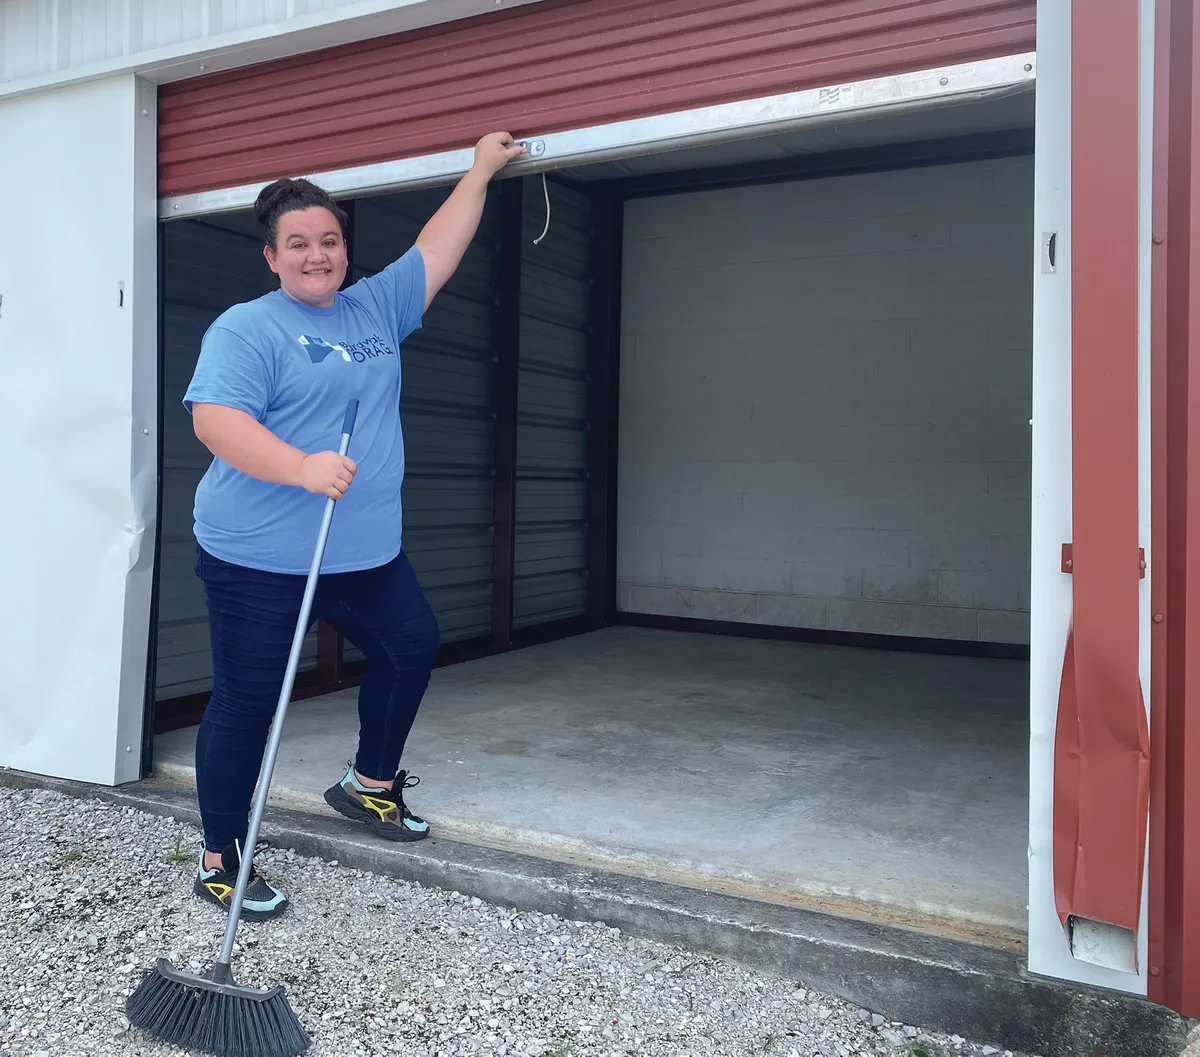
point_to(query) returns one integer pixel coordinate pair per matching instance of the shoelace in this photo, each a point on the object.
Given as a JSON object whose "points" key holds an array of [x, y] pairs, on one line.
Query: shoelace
{"points": [[404, 780], [259, 847]]}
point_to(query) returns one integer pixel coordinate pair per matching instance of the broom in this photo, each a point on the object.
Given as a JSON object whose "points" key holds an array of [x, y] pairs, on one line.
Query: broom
{"points": [[212, 1012]]}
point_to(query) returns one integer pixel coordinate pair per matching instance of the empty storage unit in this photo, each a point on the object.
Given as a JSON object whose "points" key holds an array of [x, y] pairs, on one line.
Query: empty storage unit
{"points": [[784, 493], [825, 403], [804, 360]]}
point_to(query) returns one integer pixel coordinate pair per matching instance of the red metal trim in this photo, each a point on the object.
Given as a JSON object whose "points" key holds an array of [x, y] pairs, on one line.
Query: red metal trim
{"points": [[1159, 983], [1174, 933], [1184, 762], [1101, 752], [551, 66], [1068, 560]]}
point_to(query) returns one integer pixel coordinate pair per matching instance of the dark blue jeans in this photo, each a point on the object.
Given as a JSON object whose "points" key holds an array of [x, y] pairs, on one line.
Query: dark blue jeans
{"points": [[252, 617]]}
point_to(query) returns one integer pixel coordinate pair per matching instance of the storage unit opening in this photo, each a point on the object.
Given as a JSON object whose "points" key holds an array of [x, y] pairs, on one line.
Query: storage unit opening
{"points": [[770, 515]]}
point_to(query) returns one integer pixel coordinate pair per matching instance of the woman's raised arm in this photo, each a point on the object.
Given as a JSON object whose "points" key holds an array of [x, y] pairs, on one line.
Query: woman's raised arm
{"points": [[446, 236]]}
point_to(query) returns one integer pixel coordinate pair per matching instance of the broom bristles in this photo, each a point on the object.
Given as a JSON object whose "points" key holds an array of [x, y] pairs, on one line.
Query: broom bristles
{"points": [[192, 1012]]}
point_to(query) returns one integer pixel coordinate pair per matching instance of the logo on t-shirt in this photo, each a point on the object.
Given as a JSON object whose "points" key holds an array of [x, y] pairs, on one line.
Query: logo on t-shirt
{"points": [[318, 348], [369, 348], [359, 352]]}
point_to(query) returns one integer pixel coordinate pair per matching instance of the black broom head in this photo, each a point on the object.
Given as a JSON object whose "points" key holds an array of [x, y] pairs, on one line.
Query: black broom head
{"points": [[213, 1014]]}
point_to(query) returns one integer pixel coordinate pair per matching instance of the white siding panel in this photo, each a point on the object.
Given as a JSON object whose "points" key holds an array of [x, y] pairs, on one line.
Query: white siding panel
{"points": [[825, 403], [167, 22], [308, 7], [28, 34], [47, 42], [246, 14], [93, 30]]}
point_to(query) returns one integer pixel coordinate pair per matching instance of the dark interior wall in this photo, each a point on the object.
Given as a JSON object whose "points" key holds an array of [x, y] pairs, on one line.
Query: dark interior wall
{"points": [[447, 404], [208, 264], [502, 359], [551, 581]]}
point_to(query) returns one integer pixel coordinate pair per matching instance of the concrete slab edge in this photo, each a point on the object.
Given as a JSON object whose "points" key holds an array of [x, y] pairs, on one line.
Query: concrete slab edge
{"points": [[936, 983]]}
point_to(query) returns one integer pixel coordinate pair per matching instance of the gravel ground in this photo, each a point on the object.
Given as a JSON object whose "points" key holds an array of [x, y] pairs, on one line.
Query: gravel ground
{"points": [[92, 893]]}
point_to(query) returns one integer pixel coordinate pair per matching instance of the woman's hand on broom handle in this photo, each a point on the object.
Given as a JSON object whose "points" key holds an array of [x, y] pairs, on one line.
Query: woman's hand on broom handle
{"points": [[236, 438], [327, 473]]}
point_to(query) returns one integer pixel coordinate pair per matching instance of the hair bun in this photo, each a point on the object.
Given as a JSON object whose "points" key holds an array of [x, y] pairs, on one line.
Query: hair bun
{"points": [[277, 194], [287, 194]]}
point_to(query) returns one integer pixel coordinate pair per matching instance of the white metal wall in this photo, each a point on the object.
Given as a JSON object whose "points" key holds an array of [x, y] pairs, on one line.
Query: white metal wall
{"points": [[825, 403], [78, 416]]}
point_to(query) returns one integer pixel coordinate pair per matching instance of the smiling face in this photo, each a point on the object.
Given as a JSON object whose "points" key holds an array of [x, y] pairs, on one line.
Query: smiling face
{"points": [[309, 255]]}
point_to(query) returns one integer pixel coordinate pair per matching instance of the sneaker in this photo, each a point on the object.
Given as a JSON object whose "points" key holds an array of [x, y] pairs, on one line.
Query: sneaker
{"points": [[383, 810], [262, 900]]}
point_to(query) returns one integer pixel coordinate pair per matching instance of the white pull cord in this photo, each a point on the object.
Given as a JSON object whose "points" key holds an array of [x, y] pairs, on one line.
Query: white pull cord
{"points": [[546, 192]]}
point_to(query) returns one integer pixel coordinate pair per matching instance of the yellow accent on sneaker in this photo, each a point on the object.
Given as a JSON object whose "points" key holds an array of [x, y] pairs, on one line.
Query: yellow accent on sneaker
{"points": [[382, 808], [223, 892]]}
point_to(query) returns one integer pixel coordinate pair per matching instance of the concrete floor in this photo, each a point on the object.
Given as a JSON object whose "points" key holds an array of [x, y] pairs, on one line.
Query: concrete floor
{"points": [[866, 782]]}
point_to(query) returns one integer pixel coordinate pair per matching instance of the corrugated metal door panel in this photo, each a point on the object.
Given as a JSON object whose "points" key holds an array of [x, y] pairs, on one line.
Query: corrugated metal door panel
{"points": [[555, 65], [446, 402], [551, 529], [208, 265]]}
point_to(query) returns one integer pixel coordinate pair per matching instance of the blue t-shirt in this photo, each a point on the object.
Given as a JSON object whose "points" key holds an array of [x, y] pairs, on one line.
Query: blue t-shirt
{"points": [[294, 368]]}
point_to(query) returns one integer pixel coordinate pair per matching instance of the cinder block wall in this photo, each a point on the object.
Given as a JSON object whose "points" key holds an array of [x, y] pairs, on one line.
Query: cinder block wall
{"points": [[825, 403]]}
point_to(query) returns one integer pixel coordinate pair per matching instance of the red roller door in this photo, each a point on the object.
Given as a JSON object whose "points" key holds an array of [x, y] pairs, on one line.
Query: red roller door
{"points": [[552, 66]]}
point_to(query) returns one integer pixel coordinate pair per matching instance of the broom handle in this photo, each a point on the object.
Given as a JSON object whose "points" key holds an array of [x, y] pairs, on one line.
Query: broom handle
{"points": [[285, 694]]}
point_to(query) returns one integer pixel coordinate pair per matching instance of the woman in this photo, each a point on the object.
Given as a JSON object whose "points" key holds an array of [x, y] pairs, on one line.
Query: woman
{"points": [[267, 399]]}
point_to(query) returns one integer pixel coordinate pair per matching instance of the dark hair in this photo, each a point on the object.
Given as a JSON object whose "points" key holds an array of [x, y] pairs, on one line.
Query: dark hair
{"points": [[284, 195]]}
